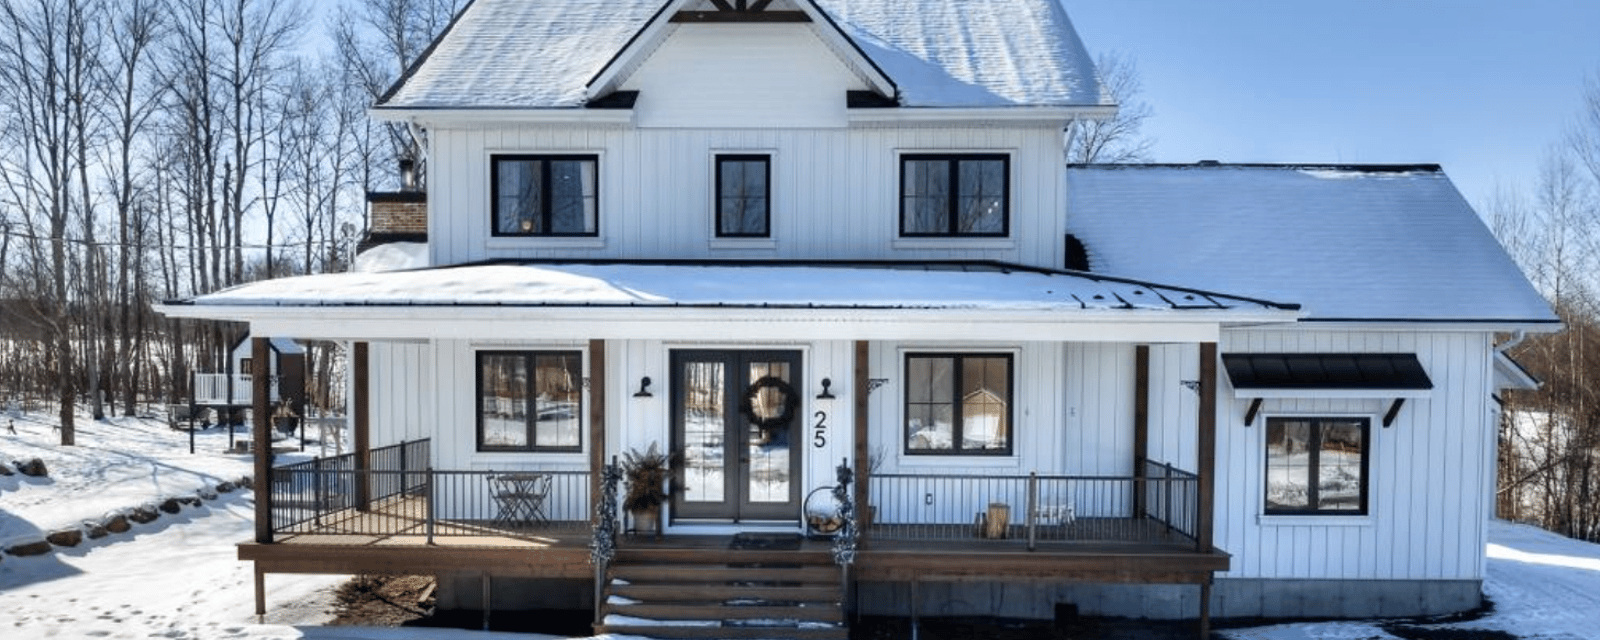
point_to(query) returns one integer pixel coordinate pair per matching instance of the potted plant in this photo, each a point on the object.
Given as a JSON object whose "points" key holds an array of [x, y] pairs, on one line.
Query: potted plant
{"points": [[646, 472]]}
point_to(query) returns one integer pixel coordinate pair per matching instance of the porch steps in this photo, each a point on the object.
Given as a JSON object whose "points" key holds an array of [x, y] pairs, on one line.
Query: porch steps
{"points": [[724, 593]]}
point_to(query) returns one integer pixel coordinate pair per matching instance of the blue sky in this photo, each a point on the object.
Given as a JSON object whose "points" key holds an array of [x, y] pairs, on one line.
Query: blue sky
{"points": [[1482, 88]]}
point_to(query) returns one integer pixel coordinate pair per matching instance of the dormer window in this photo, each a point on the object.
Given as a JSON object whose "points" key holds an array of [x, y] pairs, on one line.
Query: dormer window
{"points": [[544, 195], [954, 195]]}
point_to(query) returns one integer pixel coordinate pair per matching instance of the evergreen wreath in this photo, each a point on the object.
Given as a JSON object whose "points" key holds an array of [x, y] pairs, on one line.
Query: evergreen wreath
{"points": [[791, 403]]}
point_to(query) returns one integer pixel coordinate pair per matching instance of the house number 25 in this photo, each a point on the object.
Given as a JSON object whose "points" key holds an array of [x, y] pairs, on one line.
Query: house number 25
{"points": [[819, 431]]}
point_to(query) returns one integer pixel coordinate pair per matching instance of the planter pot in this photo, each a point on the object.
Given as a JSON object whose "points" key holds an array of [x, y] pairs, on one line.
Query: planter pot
{"points": [[647, 522]]}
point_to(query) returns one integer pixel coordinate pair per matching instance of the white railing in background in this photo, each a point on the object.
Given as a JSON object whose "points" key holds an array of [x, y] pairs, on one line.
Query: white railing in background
{"points": [[212, 389]]}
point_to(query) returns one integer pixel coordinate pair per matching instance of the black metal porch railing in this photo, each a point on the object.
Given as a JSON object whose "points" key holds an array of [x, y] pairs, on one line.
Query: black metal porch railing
{"points": [[1161, 506], [398, 494]]}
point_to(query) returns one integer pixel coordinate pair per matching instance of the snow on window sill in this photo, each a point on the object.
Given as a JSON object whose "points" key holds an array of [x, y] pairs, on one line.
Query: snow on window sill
{"points": [[1314, 521]]}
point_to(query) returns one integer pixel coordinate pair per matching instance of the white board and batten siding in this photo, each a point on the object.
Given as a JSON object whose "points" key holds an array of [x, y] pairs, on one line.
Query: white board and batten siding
{"points": [[835, 193], [1430, 473], [742, 75]]}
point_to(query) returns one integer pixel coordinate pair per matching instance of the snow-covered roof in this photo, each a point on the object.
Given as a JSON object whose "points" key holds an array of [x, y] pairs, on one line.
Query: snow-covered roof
{"points": [[1347, 243], [517, 54], [988, 286]]}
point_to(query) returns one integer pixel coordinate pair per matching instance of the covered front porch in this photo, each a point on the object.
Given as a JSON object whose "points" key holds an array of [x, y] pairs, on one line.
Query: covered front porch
{"points": [[1089, 476]]}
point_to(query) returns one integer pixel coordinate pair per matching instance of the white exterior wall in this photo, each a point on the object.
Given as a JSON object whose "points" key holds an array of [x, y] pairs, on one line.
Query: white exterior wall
{"points": [[835, 192], [1430, 473], [1429, 479], [742, 75]]}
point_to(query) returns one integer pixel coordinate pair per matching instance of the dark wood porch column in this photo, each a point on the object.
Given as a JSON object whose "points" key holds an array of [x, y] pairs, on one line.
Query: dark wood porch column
{"points": [[1207, 445], [261, 435], [863, 457], [1206, 425], [597, 422], [1141, 424], [362, 413]]}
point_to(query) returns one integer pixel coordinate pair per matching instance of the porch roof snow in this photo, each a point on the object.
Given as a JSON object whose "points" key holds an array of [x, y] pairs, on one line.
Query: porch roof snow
{"points": [[1350, 243], [940, 54], [873, 285]]}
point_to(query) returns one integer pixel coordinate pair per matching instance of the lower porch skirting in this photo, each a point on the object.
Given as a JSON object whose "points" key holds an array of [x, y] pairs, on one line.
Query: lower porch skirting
{"points": [[1230, 598]]}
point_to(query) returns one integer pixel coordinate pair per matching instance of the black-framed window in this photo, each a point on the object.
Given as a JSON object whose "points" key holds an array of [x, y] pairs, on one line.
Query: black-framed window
{"points": [[955, 195], [744, 196], [1317, 466], [530, 400], [545, 195], [958, 403]]}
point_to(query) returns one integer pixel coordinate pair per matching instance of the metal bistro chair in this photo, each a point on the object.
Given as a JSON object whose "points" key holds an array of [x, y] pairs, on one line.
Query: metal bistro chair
{"points": [[519, 498]]}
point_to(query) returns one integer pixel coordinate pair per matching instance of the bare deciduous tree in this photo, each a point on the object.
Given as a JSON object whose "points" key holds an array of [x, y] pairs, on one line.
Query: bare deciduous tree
{"points": [[1120, 138]]}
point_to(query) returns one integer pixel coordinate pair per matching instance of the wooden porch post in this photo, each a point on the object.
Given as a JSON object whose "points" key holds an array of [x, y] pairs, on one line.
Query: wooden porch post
{"points": [[362, 412], [1207, 444], [1141, 424], [597, 423], [261, 435], [863, 456], [1206, 425]]}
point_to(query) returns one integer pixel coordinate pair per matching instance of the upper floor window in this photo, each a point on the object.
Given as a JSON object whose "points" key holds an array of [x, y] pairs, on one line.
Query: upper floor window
{"points": [[530, 400], [1317, 466], [744, 196], [958, 403], [544, 195], [954, 195]]}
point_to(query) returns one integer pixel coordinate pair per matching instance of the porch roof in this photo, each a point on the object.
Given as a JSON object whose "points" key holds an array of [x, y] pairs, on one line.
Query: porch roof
{"points": [[725, 291]]}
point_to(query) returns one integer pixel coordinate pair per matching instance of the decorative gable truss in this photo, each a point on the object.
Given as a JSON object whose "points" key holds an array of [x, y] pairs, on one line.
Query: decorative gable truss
{"points": [[660, 27], [741, 11]]}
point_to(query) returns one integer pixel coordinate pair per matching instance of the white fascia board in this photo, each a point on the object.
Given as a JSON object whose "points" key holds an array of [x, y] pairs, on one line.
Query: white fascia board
{"points": [[680, 323], [454, 117], [1422, 326], [626, 61], [911, 116], [1336, 394], [835, 38]]}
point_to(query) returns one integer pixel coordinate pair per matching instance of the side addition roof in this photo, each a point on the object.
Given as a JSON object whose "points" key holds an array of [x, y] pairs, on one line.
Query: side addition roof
{"points": [[1350, 243], [516, 54]]}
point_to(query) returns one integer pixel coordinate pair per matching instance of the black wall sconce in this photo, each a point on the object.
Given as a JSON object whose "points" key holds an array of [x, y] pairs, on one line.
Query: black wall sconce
{"points": [[644, 388], [826, 394]]}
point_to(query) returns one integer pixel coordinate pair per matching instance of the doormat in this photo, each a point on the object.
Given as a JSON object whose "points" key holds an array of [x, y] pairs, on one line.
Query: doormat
{"points": [[766, 541]]}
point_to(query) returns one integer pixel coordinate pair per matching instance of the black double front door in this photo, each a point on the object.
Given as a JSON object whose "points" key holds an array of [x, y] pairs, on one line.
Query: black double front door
{"points": [[735, 414]]}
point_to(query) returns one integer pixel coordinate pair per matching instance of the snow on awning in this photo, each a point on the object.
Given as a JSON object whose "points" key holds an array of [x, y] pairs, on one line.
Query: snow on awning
{"points": [[1327, 375], [870, 285], [731, 300]]}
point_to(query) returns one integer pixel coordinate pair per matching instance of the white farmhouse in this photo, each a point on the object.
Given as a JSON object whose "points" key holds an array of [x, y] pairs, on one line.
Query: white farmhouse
{"points": [[797, 241]]}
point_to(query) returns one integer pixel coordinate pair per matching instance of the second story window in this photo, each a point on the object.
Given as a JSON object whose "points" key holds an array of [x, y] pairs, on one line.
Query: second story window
{"points": [[954, 195], [544, 195], [744, 196]]}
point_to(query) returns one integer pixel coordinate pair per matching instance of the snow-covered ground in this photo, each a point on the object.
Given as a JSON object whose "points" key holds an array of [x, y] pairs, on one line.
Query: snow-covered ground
{"points": [[179, 577]]}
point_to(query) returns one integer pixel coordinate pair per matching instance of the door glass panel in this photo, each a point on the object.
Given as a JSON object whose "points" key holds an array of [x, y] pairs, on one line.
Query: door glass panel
{"points": [[704, 465], [768, 474]]}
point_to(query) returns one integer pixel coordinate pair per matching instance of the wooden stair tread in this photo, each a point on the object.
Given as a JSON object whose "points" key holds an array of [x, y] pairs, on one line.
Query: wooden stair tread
{"points": [[639, 573], [679, 592], [809, 612], [633, 555]]}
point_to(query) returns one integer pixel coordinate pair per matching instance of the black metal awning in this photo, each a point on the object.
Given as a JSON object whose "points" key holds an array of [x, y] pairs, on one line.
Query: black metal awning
{"points": [[1287, 375]]}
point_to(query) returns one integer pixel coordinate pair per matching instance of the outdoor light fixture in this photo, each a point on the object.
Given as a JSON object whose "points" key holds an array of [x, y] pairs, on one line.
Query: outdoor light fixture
{"points": [[826, 393], [644, 388]]}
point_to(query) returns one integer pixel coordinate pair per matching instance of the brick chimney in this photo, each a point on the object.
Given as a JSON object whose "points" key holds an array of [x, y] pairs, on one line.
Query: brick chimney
{"points": [[397, 216]]}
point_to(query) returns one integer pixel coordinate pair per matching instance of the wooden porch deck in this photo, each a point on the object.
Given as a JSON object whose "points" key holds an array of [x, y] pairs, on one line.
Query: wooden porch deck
{"points": [[390, 537]]}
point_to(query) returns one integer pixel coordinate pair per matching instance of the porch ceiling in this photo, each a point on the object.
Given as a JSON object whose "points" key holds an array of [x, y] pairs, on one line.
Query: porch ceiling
{"points": [[663, 299]]}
